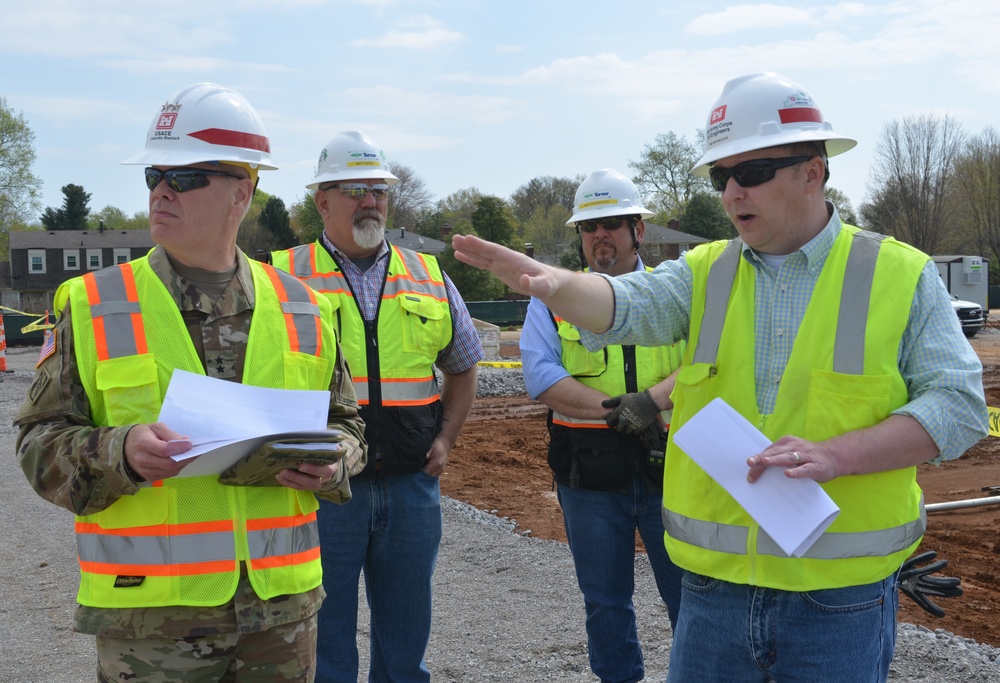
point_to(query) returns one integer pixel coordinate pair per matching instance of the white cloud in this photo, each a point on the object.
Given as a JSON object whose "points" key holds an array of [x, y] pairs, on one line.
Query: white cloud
{"points": [[416, 33]]}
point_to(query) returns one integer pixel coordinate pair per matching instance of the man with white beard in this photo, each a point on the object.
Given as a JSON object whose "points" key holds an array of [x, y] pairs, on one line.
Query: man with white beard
{"points": [[397, 316]]}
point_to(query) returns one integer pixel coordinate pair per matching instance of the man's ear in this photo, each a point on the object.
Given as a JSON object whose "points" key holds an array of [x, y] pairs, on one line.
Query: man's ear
{"points": [[816, 172], [322, 203]]}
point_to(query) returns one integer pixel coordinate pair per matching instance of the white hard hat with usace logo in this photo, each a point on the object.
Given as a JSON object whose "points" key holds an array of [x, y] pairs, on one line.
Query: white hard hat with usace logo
{"points": [[764, 110]]}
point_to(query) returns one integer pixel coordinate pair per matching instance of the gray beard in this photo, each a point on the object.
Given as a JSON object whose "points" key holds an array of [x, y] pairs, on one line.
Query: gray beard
{"points": [[606, 263], [368, 232]]}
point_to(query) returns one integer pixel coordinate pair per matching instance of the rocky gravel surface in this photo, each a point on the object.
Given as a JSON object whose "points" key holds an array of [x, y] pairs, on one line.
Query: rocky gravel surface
{"points": [[506, 605]]}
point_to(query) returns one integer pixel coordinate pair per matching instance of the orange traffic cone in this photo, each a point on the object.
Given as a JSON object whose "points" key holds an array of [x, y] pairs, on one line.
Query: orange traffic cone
{"points": [[3, 348]]}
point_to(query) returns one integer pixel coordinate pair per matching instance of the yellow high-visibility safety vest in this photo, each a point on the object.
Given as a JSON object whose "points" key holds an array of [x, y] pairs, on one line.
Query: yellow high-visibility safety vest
{"points": [[400, 398], [842, 375], [180, 541]]}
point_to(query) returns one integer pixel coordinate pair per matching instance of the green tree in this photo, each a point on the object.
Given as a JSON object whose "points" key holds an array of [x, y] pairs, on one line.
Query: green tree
{"points": [[473, 284], [663, 173], [306, 222], [19, 187], [541, 194], [843, 204], [275, 221], [74, 211], [548, 233], [705, 217], [912, 178], [494, 221], [409, 198], [977, 179]]}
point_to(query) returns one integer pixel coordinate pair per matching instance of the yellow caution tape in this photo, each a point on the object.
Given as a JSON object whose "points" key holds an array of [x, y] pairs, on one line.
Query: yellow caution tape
{"points": [[34, 325], [500, 364], [994, 421]]}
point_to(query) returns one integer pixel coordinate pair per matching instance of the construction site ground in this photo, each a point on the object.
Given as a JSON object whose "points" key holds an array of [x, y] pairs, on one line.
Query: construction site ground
{"points": [[499, 466]]}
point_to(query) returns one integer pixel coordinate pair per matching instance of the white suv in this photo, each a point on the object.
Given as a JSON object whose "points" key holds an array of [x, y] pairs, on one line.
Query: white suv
{"points": [[970, 315]]}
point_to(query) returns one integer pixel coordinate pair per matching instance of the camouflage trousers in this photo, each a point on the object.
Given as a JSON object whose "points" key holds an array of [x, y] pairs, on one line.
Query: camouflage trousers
{"points": [[281, 654]]}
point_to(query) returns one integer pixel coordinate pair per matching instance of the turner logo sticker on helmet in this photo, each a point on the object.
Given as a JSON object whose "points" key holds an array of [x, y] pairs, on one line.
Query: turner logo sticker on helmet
{"points": [[799, 99], [718, 114]]}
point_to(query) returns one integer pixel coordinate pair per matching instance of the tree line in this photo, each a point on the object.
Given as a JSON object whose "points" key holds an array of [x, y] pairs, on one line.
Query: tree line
{"points": [[931, 184]]}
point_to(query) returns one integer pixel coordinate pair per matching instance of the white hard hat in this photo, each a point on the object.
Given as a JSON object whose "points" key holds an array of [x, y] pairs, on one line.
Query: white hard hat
{"points": [[607, 193], [763, 110], [351, 155], [206, 122]]}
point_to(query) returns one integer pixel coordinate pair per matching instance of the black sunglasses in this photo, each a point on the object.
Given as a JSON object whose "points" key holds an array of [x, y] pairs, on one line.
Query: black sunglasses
{"points": [[359, 190], [184, 179], [609, 223], [751, 173]]}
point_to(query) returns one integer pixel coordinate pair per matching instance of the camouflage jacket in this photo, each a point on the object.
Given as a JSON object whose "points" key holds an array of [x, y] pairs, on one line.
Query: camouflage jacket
{"points": [[77, 465]]}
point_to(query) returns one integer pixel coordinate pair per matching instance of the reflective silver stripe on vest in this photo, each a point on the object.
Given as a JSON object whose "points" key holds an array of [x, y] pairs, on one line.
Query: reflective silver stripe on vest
{"points": [[161, 550], [302, 260], [732, 539], [421, 280], [849, 349], [115, 310], [282, 541], [305, 313], [407, 392], [717, 291], [848, 358]]}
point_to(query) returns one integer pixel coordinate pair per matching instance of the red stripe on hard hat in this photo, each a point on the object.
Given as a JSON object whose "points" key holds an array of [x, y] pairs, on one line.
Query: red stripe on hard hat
{"points": [[800, 115], [233, 138]]}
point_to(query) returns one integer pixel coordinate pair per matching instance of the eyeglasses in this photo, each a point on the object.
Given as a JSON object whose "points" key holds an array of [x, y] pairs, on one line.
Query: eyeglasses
{"points": [[609, 223], [751, 173], [359, 190], [184, 179]]}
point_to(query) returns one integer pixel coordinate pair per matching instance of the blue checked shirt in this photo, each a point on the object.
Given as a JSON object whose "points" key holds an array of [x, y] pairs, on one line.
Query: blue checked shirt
{"points": [[465, 349], [943, 375]]}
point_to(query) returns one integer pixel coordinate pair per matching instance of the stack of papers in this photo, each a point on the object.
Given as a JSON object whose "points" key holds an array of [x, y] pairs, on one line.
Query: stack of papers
{"points": [[226, 420]]}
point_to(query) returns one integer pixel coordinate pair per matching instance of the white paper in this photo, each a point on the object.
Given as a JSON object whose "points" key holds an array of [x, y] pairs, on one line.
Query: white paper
{"points": [[793, 512], [226, 420]]}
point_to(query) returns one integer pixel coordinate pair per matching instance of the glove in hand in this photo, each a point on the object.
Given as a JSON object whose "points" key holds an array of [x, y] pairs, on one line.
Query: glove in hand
{"points": [[632, 414], [914, 580]]}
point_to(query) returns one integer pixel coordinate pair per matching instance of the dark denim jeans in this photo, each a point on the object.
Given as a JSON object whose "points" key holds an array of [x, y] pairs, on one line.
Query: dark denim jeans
{"points": [[600, 526], [390, 531], [744, 634]]}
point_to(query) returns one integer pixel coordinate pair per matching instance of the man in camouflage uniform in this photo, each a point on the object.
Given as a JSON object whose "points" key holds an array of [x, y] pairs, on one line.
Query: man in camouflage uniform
{"points": [[76, 454]]}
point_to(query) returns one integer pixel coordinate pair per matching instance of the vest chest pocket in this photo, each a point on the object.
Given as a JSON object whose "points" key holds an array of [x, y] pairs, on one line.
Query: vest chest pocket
{"points": [[423, 324], [130, 389], [839, 403], [577, 359]]}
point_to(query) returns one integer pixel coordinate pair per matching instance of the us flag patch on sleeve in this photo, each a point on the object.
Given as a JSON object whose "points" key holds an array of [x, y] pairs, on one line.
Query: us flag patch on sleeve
{"points": [[48, 347]]}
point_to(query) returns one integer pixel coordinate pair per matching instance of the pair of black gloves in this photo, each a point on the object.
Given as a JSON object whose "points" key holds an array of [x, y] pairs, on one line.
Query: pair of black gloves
{"points": [[635, 414]]}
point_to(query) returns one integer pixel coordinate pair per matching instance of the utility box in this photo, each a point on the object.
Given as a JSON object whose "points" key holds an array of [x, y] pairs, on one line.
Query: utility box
{"points": [[967, 277], [489, 337]]}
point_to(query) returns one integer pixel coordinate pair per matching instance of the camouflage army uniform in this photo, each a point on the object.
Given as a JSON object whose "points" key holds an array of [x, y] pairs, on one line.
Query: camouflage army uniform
{"points": [[80, 467]]}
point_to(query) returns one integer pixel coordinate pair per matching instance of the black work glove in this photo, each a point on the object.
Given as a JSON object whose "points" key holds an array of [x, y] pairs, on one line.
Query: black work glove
{"points": [[915, 582], [635, 414]]}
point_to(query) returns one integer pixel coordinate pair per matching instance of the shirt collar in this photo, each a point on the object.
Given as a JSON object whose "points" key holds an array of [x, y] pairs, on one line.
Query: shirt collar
{"points": [[815, 250]]}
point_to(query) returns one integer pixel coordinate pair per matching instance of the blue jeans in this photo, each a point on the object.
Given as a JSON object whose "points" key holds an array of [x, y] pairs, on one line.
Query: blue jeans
{"points": [[740, 633], [391, 531], [600, 526]]}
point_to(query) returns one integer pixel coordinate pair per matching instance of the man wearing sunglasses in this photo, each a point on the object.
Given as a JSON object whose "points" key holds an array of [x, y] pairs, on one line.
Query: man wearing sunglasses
{"points": [[838, 344], [399, 319], [189, 578], [609, 412]]}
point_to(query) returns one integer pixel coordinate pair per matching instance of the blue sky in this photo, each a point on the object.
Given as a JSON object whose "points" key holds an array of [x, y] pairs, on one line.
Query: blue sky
{"points": [[483, 94]]}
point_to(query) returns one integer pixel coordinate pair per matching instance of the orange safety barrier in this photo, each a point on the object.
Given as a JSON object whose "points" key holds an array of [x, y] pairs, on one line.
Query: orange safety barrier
{"points": [[3, 348]]}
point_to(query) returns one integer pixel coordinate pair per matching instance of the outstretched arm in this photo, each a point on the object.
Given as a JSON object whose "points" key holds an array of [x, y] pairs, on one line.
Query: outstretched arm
{"points": [[584, 299]]}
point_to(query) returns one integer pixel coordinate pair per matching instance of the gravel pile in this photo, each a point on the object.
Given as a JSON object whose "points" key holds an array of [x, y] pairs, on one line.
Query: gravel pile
{"points": [[507, 608], [500, 382]]}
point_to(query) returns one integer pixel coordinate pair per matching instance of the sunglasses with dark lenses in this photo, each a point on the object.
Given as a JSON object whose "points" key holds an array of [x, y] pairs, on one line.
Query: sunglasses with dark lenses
{"points": [[359, 190], [751, 173], [184, 179], [609, 223]]}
